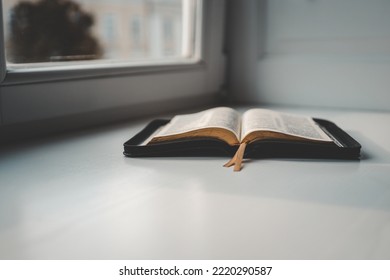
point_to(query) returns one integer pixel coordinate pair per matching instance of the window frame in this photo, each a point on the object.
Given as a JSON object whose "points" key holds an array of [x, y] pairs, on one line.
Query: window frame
{"points": [[25, 94]]}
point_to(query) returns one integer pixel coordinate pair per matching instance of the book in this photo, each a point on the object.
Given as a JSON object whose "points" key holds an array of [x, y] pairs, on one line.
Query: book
{"points": [[243, 135]]}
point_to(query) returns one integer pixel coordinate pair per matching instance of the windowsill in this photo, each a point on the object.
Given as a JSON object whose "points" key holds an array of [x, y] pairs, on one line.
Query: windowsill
{"points": [[78, 197], [47, 72]]}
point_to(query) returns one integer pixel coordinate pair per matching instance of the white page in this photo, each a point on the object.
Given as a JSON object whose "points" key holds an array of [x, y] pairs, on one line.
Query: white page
{"points": [[221, 117], [295, 125]]}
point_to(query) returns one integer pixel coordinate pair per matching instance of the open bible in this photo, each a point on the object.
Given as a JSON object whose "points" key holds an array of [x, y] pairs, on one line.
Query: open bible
{"points": [[244, 135]]}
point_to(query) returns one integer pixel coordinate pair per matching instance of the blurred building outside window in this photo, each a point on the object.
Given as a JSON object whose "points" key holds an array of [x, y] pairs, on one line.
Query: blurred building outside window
{"points": [[121, 30]]}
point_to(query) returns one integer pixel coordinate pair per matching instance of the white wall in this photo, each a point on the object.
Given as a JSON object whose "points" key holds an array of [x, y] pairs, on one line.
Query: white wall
{"points": [[333, 53]]}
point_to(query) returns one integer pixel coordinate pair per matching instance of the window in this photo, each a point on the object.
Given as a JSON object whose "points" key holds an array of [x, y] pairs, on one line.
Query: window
{"points": [[125, 76], [168, 36], [137, 35], [69, 30], [109, 28]]}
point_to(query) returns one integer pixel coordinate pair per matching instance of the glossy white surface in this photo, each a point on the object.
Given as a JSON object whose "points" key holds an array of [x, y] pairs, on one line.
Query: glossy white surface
{"points": [[77, 197]]}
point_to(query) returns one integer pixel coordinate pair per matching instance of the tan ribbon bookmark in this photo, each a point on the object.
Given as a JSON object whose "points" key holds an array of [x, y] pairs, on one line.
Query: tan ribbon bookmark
{"points": [[237, 158]]}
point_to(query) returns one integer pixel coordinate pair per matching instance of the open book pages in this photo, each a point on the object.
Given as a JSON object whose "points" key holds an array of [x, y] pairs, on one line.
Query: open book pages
{"points": [[255, 122], [226, 124], [223, 123]]}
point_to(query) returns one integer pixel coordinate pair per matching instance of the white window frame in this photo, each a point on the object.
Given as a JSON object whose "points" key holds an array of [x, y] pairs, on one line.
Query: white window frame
{"points": [[28, 95]]}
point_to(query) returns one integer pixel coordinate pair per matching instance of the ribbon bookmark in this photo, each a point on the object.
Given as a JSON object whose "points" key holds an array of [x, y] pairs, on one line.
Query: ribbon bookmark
{"points": [[237, 158]]}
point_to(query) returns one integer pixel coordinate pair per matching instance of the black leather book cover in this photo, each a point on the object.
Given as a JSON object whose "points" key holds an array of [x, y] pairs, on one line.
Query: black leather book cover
{"points": [[344, 147]]}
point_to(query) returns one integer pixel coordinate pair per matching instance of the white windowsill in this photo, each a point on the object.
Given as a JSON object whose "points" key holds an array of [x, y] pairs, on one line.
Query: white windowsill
{"points": [[47, 72], [78, 197]]}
